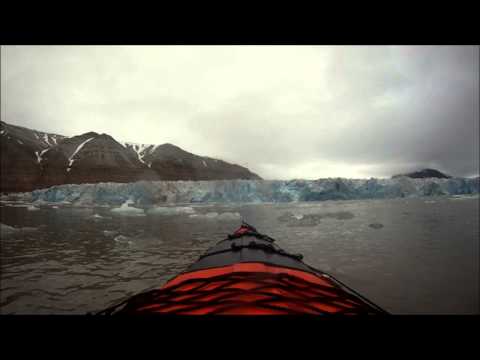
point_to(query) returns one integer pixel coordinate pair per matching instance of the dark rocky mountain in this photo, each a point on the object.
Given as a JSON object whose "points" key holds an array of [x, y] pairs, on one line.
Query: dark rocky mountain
{"points": [[31, 159], [21, 150], [425, 173], [174, 163], [91, 158]]}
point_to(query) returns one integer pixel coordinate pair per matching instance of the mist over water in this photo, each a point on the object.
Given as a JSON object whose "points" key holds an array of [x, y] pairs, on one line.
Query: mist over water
{"points": [[410, 256]]}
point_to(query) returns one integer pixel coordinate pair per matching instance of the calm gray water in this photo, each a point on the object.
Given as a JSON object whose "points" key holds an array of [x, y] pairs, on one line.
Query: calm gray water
{"points": [[410, 256]]}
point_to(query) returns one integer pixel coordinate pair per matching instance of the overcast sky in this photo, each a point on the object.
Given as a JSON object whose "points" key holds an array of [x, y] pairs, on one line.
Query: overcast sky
{"points": [[283, 111]]}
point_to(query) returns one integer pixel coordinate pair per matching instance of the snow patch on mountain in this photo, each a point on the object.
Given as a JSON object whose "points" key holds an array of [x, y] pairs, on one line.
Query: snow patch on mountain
{"points": [[46, 139], [141, 150], [71, 159], [39, 154]]}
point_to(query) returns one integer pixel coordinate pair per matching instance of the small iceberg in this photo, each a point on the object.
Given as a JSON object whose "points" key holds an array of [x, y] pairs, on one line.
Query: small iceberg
{"points": [[209, 215], [110, 233], [122, 239], [462, 197], [229, 216], [18, 205], [32, 208], [127, 210], [159, 210], [215, 215], [7, 230]]}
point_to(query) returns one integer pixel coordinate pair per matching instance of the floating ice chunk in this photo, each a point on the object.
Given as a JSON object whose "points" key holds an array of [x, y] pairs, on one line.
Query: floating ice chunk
{"points": [[159, 210], [127, 210], [211, 215], [110, 233], [217, 216], [7, 230], [28, 229], [461, 197], [97, 216], [32, 208], [121, 238], [229, 216]]}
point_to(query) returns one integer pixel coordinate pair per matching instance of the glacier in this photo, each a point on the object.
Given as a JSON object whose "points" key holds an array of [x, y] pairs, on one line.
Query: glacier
{"points": [[152, 193]]}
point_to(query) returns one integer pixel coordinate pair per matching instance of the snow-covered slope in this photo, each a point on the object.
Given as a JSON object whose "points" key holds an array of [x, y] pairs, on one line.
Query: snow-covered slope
{"points": [[160, 192], [141, 150]]}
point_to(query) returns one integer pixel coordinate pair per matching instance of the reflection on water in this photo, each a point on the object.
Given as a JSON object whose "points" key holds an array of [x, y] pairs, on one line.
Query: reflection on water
{"points": [[409, 256]]}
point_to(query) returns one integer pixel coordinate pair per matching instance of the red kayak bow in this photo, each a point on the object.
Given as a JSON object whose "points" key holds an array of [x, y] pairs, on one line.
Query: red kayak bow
{"points": [[247, 274]]}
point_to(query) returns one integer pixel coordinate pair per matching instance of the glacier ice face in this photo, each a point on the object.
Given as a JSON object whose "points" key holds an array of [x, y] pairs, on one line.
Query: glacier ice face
{"points": [[156, 193]]}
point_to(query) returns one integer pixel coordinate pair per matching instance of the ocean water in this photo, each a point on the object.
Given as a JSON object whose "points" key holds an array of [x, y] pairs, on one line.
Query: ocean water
{"points": [[410, 256]]}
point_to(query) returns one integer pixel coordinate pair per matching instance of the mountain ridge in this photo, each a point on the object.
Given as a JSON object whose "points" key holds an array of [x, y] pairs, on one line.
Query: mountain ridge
{"points": [[32, 159], [423, 174]]}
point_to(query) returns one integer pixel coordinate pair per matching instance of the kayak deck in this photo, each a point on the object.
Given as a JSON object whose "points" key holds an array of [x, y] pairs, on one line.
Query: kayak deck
{"points": [[246, 274]]}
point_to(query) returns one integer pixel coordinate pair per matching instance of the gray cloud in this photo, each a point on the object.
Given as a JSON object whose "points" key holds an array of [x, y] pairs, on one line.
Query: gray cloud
{"points": [[285, 112]]}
